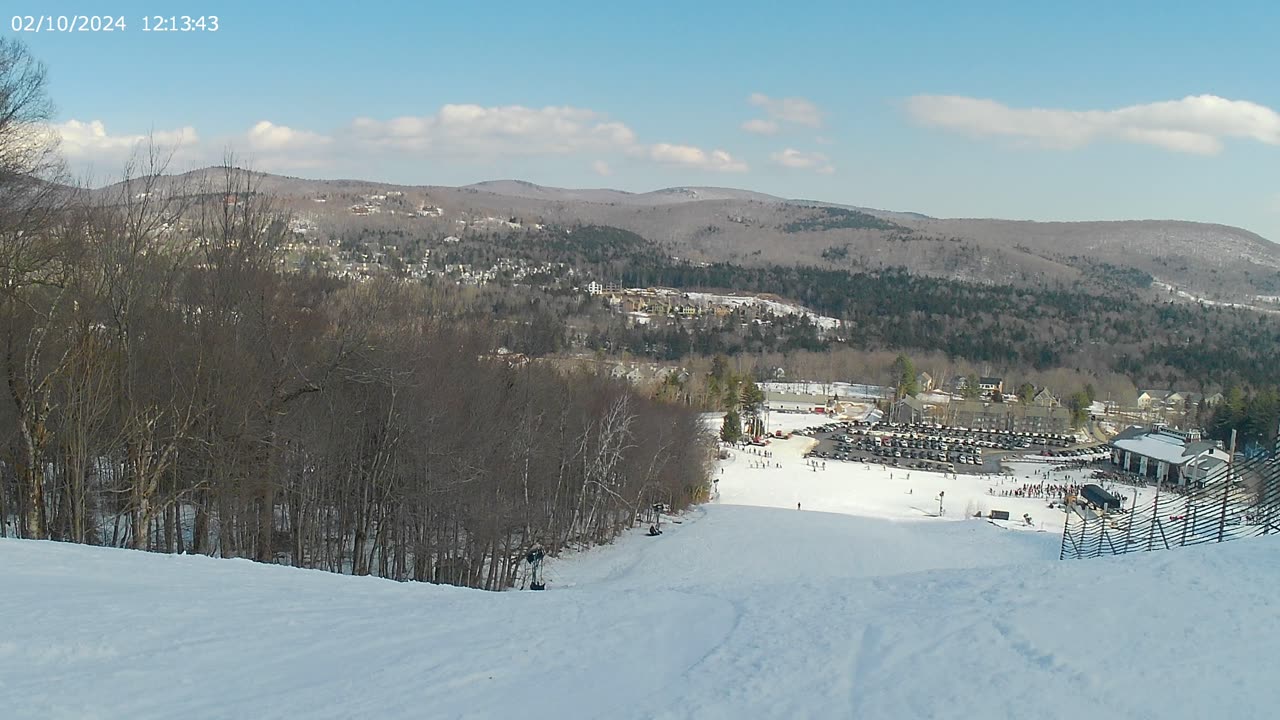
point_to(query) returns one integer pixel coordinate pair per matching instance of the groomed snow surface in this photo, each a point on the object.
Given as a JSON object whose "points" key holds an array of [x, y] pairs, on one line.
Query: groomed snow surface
{"points": [[746, 608]]}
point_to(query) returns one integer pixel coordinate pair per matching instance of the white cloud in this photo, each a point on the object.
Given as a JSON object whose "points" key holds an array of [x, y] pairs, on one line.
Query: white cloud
{"points": [[474, 131], [695, 157], [279, 147], [266, 136], [455, 132], [796, 159], [798, 111], [512, 129], [1195, 124], [91, 141], [760, 126]]}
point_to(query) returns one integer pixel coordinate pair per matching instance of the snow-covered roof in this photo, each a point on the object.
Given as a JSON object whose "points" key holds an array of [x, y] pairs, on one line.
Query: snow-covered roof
{"points": [[913, 403], [841, 389], [1166, 448], [774, 398]]}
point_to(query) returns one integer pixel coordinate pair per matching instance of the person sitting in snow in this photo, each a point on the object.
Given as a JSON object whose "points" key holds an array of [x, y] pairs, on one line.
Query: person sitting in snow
{"points": [[653, 531]]}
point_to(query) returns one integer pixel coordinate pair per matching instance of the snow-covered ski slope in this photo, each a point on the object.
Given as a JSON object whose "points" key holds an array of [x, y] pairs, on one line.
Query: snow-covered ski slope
{"points": [[735, 612]]}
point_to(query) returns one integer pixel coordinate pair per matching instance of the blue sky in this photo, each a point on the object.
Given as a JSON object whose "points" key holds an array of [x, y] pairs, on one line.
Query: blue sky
{"points": [[1074, 111]]}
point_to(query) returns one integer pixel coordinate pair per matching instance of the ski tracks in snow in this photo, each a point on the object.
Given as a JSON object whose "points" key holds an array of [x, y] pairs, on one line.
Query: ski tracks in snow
{"points": [[866, 659]]}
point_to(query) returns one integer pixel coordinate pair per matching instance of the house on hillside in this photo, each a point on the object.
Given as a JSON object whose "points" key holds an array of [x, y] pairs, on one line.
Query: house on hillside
{"points": [[1190, 400], [1046, 398], [1213, 399], [991, 385], [924, 381], [1169, 399], [1152, 398]]}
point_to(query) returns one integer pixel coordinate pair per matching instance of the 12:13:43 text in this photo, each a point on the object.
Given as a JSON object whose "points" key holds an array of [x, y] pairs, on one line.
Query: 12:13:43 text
{"points": [[179, 23]]}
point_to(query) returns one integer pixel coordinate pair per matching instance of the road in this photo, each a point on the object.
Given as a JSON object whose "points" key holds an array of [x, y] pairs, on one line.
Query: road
{"points": [[1095, 431]]}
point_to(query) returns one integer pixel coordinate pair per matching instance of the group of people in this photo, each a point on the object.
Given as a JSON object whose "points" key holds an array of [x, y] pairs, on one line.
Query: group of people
{"points": [[1047, 491], [1044, 490], [1073, 465], [766, 462]]}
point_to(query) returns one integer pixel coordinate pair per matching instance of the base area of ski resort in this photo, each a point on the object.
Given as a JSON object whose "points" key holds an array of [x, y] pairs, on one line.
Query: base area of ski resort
{"points": [[809, 587]]}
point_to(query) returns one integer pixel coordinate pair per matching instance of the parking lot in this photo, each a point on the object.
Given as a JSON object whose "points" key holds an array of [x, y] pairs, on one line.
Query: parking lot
{"points": [[932, 447]]}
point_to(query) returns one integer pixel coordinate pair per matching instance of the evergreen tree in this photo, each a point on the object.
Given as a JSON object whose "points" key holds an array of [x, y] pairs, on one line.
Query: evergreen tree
{"points": [[752, 404], [1078, 404], [719, 367], [904, 377], [732, 399], [731, 429], [1026, 393]]}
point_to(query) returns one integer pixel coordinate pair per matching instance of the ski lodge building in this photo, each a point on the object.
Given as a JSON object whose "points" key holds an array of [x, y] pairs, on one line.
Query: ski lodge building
{"points": [[1008, 417], [1177, 457], [797, 402]]}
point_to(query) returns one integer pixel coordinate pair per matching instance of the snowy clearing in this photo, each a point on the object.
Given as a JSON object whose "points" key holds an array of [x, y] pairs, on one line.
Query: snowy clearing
{"points": [[873, 490], [772, 306], [746, 608]]}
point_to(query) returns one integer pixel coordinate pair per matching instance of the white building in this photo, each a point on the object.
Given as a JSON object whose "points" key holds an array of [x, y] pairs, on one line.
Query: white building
{"points": [[775, 401], [1169, 456]]}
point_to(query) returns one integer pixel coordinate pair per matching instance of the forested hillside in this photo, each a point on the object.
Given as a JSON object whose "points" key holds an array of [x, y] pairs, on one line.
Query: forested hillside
{"points": [[171, 390], [1124, 330], [1216, 262], [171, 386]]}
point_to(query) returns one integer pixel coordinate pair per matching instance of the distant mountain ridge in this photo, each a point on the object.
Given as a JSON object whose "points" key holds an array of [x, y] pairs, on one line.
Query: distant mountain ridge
{"points": [[1214, 262], [525, 189], [663, 196]]}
